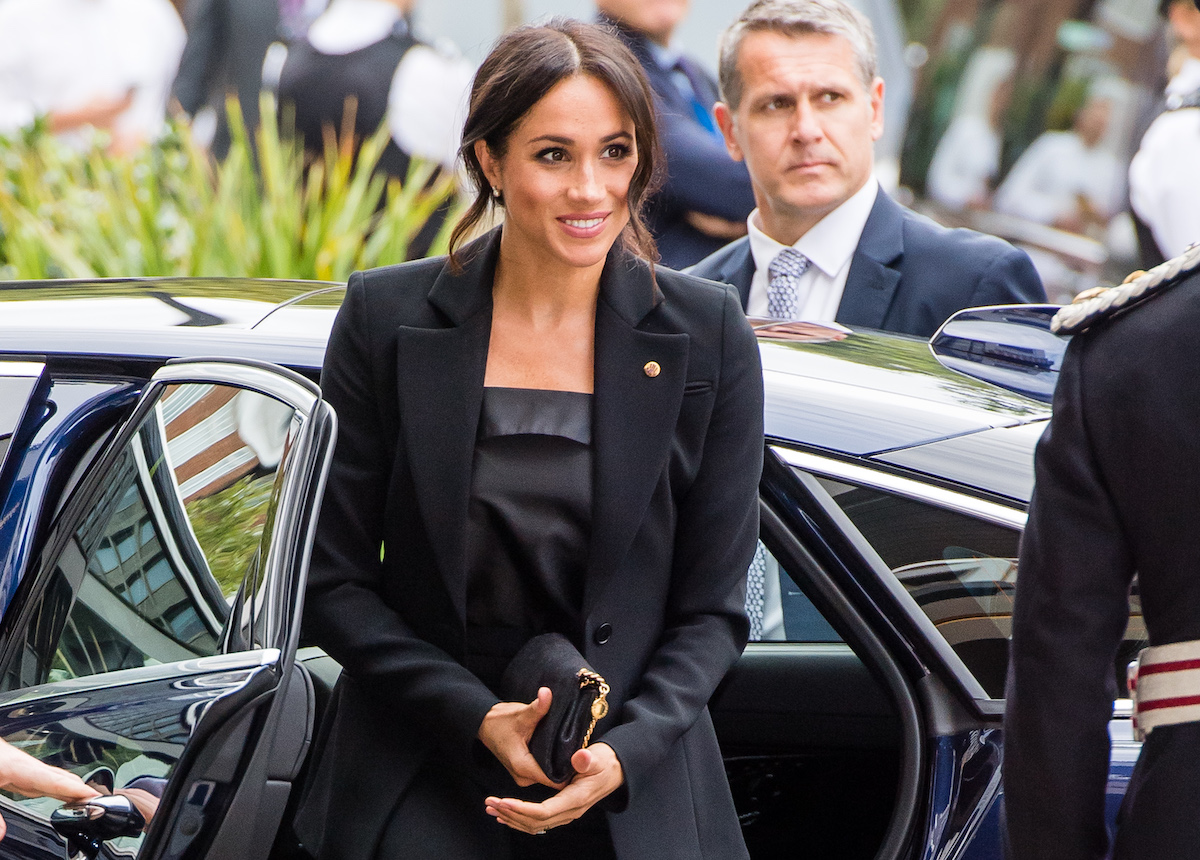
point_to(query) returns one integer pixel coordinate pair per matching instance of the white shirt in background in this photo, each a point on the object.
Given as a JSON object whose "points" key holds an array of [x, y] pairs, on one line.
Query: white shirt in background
{"points": [[1045, 183], [964, 163], [1164, 176], [427, 98], [829, 246], [60, 55]]}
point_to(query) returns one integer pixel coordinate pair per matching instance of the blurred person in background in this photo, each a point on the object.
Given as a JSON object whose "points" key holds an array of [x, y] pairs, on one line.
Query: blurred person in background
{"points": [[227, 42], [803, 107], [1164, 176], [1067, 179], [706, 195], [967, 157], [360, 62], [79, 64]]}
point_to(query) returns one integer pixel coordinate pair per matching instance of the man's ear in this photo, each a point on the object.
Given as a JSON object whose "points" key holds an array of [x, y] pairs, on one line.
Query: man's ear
{"points": [[876, 92], [487, 161], [724, 117]]}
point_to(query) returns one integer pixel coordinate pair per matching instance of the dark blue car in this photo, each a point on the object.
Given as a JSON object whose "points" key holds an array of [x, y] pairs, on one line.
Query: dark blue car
{"points": [[163, 447]]}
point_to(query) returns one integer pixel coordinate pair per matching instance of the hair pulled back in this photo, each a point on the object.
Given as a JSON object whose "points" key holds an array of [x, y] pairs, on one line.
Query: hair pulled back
{"points": [[522, 68]]}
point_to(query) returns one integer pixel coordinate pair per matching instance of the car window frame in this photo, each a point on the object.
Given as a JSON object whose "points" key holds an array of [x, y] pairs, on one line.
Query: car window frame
{"points": [[805, 464], [260, 377]]}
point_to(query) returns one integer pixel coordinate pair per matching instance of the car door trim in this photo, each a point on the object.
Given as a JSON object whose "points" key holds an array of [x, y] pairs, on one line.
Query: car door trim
{"points": [[992, 512]]}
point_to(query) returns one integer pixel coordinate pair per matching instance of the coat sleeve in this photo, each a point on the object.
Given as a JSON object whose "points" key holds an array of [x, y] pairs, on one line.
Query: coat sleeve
{"points": [[1070, 613], [715, 538], [1010, 279], [344, 611], [700, 175]]}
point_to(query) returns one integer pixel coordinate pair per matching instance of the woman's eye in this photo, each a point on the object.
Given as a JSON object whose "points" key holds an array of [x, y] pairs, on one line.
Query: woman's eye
{"points": [[616, 150], [552, 155]]}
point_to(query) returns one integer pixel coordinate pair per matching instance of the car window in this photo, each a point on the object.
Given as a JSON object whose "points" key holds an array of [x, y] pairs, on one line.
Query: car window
{"points": [[17, 382], [164, 563], [960, 570], [779, 611]]}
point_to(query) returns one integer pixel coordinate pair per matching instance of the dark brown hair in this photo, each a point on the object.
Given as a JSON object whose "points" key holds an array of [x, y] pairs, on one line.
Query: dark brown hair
{"points": [[525, 65]]}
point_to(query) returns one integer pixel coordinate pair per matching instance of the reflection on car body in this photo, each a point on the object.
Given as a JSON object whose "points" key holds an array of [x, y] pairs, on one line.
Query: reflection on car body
{"points": [[157, 502]]}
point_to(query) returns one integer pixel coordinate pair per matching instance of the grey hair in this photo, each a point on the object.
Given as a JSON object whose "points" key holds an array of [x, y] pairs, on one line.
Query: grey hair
{"points": [[796, 18]]}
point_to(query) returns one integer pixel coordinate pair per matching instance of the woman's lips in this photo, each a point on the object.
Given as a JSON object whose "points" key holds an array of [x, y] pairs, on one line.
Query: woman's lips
{"points": [[583, 226]]}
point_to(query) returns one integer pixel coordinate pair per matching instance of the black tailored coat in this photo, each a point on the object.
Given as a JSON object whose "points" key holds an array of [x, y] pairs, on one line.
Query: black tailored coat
{"points": [[908, 273], [1117, 492], [677, 458]]}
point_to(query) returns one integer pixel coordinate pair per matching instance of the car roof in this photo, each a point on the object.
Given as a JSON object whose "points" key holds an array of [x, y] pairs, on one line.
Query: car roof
{"points": [[848, 393]]}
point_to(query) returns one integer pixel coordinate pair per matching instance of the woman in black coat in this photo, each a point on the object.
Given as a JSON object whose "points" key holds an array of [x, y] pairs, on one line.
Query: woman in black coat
{"points": [[542, 432]]}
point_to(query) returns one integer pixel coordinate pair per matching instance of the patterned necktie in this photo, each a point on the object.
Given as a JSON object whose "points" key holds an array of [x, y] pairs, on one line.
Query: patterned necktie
{"points": [[756, 579], [784, 294]]}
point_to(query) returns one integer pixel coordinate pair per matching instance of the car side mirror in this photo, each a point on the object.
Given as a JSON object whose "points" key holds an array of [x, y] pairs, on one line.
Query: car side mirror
{"points": [[90, 823], [1011, 346]]}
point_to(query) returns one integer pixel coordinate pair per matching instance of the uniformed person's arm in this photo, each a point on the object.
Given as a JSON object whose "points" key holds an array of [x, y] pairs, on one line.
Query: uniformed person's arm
{"points": [[1069, 617]]}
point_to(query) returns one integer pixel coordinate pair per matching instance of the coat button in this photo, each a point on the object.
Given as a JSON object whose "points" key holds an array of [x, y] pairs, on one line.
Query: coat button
{"points": [[652, 368], [602, 634]]}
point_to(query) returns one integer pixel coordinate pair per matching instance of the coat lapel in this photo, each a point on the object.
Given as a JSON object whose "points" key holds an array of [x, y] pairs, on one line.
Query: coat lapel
{"points": [[635, 410], [440, 381], [872, 281]]}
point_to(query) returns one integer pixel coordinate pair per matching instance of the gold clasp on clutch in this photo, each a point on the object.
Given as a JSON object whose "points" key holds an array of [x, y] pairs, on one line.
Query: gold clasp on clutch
{"points": [[587, 678]]}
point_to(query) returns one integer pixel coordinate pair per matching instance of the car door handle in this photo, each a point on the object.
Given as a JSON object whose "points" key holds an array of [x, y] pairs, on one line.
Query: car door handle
{"points": [[88, 824]]}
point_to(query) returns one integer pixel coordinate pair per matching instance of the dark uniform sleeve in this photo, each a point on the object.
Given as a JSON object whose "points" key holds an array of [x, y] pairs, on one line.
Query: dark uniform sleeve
{"points": [[1069, 617]]}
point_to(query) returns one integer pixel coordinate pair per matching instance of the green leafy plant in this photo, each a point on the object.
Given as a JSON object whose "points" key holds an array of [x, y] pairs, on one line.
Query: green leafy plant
{"points": [[169, 210]]}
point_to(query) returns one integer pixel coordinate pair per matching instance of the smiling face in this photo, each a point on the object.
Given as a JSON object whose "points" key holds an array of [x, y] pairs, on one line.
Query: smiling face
{"points": [[805, 126], [565, 176]]}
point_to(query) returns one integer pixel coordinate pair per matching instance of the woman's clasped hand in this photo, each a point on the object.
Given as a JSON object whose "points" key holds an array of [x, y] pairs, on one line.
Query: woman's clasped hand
{"points": [[597, 775]]}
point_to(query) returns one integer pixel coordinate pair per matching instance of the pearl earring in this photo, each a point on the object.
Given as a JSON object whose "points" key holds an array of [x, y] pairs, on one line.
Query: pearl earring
{"points": [[496, 193]]}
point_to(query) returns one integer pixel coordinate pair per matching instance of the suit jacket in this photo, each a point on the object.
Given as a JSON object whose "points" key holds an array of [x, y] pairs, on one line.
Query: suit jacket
{"points": [[227, 41], [1117, 492], [677, 457], [908, 274], [700, 174]]}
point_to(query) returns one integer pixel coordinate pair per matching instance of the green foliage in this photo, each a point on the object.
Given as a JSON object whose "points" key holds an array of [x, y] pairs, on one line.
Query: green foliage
{"points": [[168, 210], [229, 525]]}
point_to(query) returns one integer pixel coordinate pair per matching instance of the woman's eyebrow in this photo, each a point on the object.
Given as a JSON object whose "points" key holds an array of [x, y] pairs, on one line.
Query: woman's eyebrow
{"points": [[567, 141]]}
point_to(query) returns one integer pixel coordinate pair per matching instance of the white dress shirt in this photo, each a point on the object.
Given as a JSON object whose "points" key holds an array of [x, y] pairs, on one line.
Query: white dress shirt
{"points": [[1049, 177], [58, 55], [427, 98], [1164, 176], [829, 246]]}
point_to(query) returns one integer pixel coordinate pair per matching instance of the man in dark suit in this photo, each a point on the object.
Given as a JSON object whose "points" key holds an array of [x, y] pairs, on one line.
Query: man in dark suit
{"points": [[1117, 495], [227, 42], [706, 195], [802, 107]]}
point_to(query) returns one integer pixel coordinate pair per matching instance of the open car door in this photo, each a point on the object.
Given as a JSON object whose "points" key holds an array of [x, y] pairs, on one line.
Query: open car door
{"points": [[150, 648]]}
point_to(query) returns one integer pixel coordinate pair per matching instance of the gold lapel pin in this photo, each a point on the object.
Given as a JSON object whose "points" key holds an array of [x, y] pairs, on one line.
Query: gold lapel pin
{"points": [[652, 368]]}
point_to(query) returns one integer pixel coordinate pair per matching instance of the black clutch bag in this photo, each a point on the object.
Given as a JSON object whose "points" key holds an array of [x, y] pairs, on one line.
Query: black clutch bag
{"points": [[578, 702]]}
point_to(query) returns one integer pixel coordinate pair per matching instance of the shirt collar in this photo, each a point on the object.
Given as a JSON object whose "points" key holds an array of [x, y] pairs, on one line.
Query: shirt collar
{"points": [[351, 25], [664, 57], [830, 243]]}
